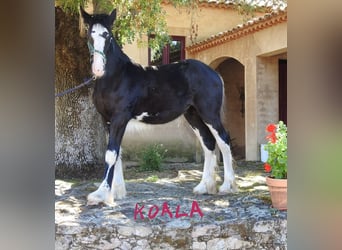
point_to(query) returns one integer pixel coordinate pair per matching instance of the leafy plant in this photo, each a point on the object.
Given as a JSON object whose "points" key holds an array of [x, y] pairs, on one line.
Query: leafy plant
{"points": [[136, 19], [139, 18], [152, 178], [277, 150], [152, 157]]}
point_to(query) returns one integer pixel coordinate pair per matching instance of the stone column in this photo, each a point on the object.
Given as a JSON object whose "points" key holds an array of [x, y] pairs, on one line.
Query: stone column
{"points": [[251, 125]]}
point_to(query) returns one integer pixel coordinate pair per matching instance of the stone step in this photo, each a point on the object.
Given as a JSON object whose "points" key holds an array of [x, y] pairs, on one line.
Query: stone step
{"points": [[165, 214]]}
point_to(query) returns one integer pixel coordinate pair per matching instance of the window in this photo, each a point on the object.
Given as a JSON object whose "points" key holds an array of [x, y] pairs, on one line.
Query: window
{"points": [[172, 52], [283, 91]]}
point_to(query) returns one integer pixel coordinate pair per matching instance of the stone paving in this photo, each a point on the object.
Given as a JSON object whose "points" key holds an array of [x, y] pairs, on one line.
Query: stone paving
{"points": [[163, 213]]}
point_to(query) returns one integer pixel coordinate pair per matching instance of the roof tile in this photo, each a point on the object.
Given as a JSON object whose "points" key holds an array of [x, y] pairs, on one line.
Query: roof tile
{"points": [[251, 26]]}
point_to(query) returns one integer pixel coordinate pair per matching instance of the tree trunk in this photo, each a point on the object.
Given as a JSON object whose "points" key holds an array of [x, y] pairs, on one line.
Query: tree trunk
{"points": [[79, 132]]}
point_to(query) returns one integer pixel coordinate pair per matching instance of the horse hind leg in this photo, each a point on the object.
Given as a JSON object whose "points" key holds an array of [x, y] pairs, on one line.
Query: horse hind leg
{"points": [[208, 182], [222, 139]]}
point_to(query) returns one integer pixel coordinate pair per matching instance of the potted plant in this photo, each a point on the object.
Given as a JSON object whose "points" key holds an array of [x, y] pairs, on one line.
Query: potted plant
{"points": [[276, 164]]}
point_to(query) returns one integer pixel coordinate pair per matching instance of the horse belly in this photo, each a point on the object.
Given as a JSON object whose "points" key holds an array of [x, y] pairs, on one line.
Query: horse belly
{"points": [[158, 117]]}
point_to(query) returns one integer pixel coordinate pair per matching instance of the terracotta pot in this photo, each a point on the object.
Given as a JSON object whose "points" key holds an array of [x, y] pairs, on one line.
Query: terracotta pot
{"points": [[278, 191]]}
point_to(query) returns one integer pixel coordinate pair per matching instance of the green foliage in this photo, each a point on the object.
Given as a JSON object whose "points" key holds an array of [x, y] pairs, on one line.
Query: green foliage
{"points": [[152, 178], [248, 10], [152, 157], [277, 151], [70, 6], [135, 19], [138, 18]]}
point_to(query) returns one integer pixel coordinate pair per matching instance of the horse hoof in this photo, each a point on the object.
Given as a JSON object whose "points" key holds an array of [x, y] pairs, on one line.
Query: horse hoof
{"points": [[119, 192], [227, 188], [94, 200], [205, 188], [200, 189], [101, 195]]}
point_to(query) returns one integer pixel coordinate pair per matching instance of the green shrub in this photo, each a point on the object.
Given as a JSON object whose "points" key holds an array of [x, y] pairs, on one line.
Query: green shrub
{"points": [[152, 178], [152, 157]]}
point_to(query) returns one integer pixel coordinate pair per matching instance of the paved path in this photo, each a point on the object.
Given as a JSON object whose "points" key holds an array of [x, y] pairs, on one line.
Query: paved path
{"points": [[143, 220]]}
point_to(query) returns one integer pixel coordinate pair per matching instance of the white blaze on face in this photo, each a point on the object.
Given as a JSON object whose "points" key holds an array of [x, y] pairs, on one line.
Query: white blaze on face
{"points": [[98, 66]]}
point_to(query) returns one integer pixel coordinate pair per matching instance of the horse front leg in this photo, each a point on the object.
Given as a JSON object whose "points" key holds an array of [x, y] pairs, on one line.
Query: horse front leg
{"points": [[118, 188], [113, 184]]}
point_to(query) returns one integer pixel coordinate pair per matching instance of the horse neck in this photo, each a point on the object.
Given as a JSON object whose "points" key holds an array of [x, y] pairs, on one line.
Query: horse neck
{"points": [[116, 60]]}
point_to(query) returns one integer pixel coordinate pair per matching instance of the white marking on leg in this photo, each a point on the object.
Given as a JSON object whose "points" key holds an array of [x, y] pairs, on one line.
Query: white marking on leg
{"points": [[104, 193], [110, 157], [141, 116], [101, 195], [118, 183], [229, 184], [208, 182]]}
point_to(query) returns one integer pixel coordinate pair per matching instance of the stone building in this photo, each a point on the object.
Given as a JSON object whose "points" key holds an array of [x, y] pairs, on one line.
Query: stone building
{"points": [[251, 56]]}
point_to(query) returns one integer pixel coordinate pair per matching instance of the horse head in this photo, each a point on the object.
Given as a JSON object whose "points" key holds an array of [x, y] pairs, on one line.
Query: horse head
{"points": [[99, 37]]}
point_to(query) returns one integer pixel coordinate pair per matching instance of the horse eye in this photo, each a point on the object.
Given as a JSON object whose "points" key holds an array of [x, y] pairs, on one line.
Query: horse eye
{"points": [[105, 34]]}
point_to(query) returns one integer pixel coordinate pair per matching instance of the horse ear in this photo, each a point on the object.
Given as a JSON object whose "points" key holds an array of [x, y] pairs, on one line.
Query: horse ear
{"points": [[112, 17], [86, 17]]}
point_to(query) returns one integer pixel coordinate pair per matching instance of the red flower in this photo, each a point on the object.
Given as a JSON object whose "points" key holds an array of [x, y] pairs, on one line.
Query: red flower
{"points": [[272, 138], [271, 128], [267, 167]]}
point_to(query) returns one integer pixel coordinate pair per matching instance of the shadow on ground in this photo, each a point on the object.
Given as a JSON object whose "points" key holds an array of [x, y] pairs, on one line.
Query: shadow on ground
{"points": [[244, 220]]}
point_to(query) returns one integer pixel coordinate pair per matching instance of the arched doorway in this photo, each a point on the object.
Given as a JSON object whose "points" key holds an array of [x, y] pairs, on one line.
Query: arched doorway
{"points": [[232, 72]]}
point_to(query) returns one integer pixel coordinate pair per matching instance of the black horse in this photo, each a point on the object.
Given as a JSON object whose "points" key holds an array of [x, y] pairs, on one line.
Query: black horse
{"points": [[125, 90]]}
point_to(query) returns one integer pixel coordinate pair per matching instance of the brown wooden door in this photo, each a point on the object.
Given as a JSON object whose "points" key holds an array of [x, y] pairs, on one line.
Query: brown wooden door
{"points": [[283, 90]]}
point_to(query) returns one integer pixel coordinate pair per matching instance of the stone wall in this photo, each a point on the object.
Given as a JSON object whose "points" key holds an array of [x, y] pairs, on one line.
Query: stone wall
{"points": [[267, 92], [242, 220], [179, 23], [175, 235], [269, 41]]}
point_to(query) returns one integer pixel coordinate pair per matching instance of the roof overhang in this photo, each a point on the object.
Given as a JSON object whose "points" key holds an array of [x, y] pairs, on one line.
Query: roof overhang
{"points": [[250, 27]]}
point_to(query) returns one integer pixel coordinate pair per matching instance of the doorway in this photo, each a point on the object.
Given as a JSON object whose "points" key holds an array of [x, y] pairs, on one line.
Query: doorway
{"points": [[283, 90], [232, 72]]}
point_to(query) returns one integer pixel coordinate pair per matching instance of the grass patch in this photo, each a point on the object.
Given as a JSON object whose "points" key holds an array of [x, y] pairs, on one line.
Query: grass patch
{"points": [[265, 198], [151, 158], [152, 178]]}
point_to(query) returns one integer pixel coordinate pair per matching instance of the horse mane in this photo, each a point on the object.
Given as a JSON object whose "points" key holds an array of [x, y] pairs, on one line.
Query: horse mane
{"points": [[102, 19]]}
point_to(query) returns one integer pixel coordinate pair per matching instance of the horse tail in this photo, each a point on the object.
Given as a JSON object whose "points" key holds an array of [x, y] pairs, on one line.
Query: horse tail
{"points": [[222, 110], [222, 115]]}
